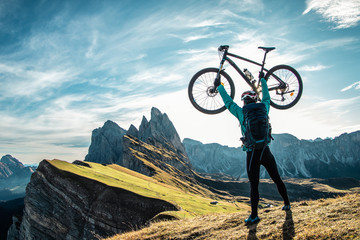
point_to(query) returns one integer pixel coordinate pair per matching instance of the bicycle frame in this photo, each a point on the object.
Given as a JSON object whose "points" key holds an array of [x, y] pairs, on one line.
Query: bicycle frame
{"points": [[233, 64]]}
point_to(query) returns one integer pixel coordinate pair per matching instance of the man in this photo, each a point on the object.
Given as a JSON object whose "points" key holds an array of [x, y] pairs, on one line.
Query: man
{"points": [[255, 157]]}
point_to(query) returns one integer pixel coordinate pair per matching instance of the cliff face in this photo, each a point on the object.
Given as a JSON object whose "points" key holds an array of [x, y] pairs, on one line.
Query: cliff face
{"points": [[327, 158], [106, 144], [215, 158], [63, 205]]}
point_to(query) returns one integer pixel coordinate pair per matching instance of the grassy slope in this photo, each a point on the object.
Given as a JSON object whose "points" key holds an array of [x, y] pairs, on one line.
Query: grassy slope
{"points": [[334, 218], [117, 176]]}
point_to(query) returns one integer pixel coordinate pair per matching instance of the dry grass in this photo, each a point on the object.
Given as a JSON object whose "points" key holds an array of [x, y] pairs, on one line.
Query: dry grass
{"points": [[337, 218]]}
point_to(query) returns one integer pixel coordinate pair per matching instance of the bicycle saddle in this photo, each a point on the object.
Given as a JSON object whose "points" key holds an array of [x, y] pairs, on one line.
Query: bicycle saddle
{"points": [[267, 49], [223, 47]]}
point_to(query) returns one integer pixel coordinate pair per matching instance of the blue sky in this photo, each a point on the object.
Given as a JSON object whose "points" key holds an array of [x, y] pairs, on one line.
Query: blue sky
{"points": [[68, 66]]}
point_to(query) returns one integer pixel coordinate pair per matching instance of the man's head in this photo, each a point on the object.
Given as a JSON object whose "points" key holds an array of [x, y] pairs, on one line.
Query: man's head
{"points": [[249, 97]]}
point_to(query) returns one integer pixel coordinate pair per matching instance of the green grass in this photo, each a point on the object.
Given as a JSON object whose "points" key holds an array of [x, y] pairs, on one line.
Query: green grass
{"points": [[114, 175]]}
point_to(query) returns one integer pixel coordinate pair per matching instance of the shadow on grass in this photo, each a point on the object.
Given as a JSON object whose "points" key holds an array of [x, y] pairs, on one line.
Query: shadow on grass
{"points": [[252, 231], [288, 226]]}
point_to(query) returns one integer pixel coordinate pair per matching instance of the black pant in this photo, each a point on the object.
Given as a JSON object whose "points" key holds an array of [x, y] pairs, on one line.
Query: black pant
{"points": [[253, 163]]}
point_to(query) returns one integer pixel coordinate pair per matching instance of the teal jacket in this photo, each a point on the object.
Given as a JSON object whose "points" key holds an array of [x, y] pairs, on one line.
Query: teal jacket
{"points": [[237, 111]]}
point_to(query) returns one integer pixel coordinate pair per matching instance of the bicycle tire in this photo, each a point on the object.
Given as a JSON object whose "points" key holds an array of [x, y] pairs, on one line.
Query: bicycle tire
{"points": [[287, 97], [199, 91]]}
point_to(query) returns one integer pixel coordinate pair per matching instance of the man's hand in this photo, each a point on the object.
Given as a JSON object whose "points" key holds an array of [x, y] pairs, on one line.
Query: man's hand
{"points": [[261, 75]]}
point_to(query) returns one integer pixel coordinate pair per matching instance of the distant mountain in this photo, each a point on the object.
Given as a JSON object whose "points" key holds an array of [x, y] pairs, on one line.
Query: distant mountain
{"points": [[14, 177], [329, 158], [215, 158]]}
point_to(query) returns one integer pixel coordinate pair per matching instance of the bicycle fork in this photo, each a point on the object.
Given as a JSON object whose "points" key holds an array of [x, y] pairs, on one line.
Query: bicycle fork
{"points": [[218, 76]]}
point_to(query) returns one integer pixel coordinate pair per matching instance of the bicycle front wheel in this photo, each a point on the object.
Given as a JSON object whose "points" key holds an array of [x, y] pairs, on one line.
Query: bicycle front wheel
{"points": [[285, 86], [202, 94]]}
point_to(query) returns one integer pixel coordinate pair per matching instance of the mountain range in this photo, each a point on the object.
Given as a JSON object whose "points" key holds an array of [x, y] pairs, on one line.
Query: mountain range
{"points": [[329, 158]]}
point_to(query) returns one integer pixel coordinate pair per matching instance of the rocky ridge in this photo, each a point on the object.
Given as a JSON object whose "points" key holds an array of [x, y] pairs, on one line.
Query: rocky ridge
{"points": [[329, 158]]}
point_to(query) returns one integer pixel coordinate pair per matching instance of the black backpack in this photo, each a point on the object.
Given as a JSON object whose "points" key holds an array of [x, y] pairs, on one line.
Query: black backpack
{"points": [[258, 129]]}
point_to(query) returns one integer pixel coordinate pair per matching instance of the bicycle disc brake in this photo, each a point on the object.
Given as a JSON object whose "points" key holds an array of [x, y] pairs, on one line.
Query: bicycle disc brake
{"points": [[211, 91]]}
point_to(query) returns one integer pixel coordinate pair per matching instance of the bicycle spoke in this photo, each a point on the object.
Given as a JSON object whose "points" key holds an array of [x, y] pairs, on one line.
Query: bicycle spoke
{"points": [[202, 93], [281, 94]]}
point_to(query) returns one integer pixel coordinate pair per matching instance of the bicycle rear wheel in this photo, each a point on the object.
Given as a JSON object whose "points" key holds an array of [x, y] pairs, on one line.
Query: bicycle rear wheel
{"points": [[285, 86], [201, 91]]}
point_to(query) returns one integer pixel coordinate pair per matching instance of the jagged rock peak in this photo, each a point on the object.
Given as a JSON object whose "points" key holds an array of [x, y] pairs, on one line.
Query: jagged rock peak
{"points": [[111, 125], [133, 131], [106, 144], [155, 112], [144, 122], [160, 131]]}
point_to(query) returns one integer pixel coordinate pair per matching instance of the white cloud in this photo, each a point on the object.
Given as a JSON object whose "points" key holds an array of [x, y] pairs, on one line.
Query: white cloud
{"points": [[147, 78], [254, 6], [343, 13], [355, 85], [94, 41], [21, 81], [207, 23], [196, 37], [315, 68]]}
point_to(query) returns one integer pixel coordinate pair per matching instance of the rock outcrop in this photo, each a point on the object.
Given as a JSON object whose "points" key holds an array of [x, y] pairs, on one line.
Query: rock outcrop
{"points": [[63, 205], [160, 131], [108, 145], [329, 158]]}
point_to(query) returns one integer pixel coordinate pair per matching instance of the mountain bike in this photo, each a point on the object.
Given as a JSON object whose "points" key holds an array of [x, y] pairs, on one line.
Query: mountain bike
{"points": [[284, 83]]}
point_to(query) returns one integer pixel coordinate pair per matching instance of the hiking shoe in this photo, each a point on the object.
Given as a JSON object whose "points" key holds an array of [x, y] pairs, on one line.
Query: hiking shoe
{"points": [[250, 220], [286, 207]]}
